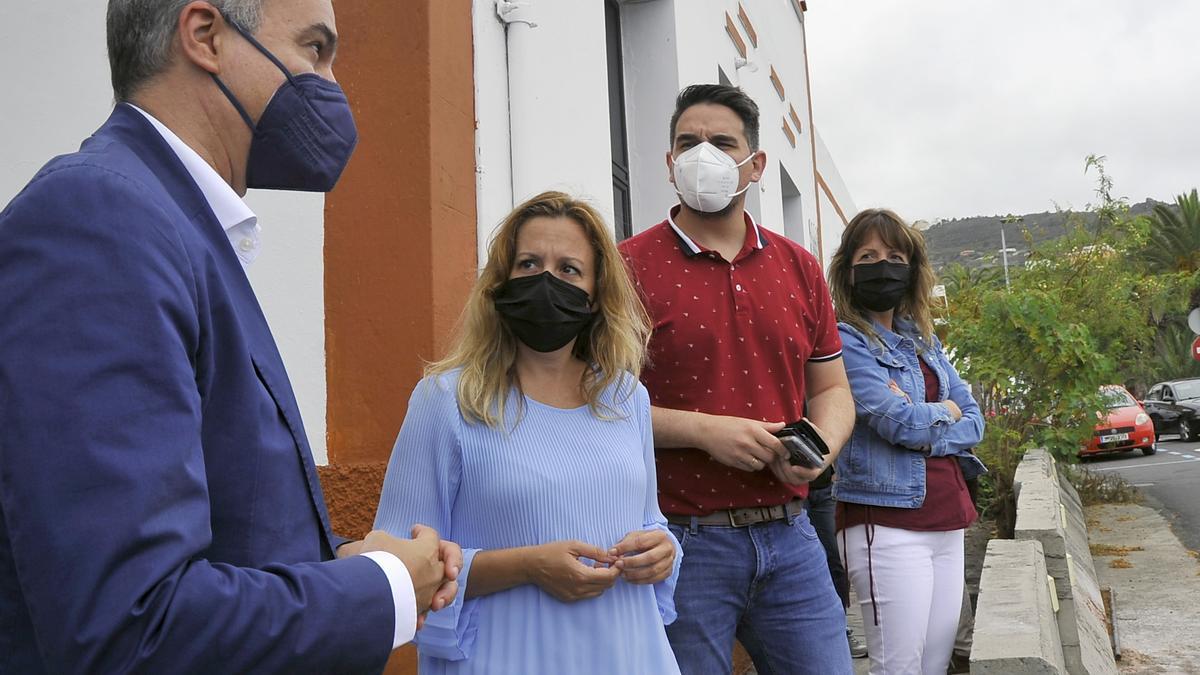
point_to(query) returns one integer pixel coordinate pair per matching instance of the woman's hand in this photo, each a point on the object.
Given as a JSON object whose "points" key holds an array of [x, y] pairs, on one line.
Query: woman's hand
{"points": [[955, 411], [557, 569], [895, 389], [645, 556]]}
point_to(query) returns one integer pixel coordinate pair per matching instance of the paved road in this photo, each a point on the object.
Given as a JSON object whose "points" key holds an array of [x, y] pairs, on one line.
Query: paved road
{"points": [[1170, 479]]}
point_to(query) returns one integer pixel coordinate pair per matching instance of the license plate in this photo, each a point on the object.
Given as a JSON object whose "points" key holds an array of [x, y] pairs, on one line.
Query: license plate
{"points": [[1114, 437]]}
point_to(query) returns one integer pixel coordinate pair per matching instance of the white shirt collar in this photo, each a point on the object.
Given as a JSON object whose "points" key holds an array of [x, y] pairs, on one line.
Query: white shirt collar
{"points": [[238, 221]]}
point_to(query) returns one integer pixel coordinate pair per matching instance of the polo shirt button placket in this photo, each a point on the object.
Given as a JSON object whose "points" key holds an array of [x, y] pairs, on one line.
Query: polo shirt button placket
{"points": [[739, 302]]}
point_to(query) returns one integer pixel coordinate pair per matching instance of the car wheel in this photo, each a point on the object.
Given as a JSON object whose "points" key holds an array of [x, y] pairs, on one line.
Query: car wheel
{"points": [[1149, 451], [1187, 430]]}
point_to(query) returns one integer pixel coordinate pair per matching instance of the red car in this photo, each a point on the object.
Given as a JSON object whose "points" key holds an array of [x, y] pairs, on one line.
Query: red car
{"points": [[1125, 427]]}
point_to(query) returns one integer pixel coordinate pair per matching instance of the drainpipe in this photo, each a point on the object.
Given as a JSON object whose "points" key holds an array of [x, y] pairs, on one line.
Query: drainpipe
{"points": [[558, 99], [493, 151]]}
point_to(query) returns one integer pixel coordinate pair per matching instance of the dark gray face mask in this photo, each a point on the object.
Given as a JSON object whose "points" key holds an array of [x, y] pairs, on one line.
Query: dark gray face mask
{"points": [[543, 311], [305, 136], [880, 286]]}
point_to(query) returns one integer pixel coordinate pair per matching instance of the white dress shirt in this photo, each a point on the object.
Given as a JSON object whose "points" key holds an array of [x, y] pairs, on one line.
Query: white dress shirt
{"points": [[238, 221], [241, 226]]}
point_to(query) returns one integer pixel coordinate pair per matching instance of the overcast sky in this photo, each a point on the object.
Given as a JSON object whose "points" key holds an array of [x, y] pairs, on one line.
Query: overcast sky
{"points": [[953, 108]]}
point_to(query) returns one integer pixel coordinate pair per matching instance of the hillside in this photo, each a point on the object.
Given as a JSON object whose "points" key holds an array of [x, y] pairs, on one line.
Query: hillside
{"points": [[975, 241]]}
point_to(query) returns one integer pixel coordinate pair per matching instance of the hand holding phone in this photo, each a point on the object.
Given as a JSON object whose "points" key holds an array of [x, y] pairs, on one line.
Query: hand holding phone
{"points": [[805, 446]]}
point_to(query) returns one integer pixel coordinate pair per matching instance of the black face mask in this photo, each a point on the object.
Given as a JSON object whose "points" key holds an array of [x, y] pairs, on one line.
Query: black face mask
{"points": [[880, 286], [543, 311]]}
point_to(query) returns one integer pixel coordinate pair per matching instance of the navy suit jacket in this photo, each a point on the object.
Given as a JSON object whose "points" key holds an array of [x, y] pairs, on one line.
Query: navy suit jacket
{"points": [[159, 506]]}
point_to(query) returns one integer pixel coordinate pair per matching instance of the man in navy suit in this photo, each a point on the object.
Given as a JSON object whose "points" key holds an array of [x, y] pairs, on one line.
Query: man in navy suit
{"points": [[159, 507]]}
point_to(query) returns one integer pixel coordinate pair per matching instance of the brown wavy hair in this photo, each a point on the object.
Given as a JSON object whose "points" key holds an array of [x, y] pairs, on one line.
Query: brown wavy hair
{"points": [[899, 235], [485, 349]]}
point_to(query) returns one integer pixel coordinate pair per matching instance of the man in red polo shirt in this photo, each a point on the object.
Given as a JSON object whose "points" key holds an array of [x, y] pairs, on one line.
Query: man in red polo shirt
{"points": [[744, 337]]}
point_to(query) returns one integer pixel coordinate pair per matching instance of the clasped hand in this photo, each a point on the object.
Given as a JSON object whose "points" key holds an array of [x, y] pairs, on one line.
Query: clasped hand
{"points": [[561, 569], [432, 563]]}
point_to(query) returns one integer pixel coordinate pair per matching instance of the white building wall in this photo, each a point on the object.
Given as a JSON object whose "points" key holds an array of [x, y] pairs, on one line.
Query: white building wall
{"points": [[59, 93], [546, 62], [703, 52], [833, 179], [651, 59], [831, 221], [555, 132], [493, 144]]}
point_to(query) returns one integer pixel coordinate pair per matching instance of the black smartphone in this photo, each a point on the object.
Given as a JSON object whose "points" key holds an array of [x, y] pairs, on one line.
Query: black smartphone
{"points": [[804, 445]]}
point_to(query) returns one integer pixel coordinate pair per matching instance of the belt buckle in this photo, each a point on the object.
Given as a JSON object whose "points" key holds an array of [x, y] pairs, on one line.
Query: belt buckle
{"points": [[734, 520]]}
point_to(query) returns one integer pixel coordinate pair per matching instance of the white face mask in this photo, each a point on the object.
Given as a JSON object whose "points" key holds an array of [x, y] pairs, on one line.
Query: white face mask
{"points": [[707, 178]]}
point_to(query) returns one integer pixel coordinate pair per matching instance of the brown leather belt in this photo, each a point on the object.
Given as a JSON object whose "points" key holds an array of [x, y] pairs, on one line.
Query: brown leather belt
{"points": [[752, 515]]}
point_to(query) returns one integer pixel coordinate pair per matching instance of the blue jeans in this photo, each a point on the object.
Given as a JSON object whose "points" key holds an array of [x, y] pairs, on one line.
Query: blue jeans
{"points": [[820, 509], [766, 584]]}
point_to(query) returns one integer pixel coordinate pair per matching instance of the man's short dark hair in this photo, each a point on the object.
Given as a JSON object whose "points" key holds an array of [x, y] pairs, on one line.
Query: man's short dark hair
{"points": [[731, 97], [140, 34]]}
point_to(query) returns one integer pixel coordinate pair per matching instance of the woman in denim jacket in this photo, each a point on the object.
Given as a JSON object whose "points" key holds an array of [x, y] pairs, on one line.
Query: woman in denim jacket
{"points": [[903, 505]]}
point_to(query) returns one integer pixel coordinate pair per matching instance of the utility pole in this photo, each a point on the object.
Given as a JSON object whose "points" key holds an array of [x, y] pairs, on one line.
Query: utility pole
{"points": [[1007, 220], [1004, 252]]}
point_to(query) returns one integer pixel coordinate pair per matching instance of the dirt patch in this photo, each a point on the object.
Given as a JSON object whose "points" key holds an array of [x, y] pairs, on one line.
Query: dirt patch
{"points": [[1120, 564], [1133, 661], [1109, 549], [974, 547]]}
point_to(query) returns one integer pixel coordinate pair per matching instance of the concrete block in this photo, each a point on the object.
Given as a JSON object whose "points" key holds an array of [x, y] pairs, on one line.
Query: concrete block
{"points": [[1015, 628], [1049, 511]]}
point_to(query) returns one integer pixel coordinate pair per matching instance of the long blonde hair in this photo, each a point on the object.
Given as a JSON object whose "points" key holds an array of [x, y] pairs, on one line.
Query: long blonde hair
{"points": [[614, 346], [899, 235]]}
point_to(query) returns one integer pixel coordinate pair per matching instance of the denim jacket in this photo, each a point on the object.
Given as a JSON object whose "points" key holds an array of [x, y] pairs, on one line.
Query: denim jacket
{"points": [[883, 463]]}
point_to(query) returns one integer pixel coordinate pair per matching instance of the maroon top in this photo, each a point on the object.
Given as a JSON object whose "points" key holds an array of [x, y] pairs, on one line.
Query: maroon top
{"points": [[730, 338], [947, 503]]}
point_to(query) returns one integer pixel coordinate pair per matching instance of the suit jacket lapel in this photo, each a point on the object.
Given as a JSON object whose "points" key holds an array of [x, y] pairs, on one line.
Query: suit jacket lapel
{"points": [[131, 128]]}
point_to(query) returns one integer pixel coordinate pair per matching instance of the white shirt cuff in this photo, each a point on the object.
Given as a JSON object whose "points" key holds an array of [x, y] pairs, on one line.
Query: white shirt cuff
{"points": [[404, 598]]}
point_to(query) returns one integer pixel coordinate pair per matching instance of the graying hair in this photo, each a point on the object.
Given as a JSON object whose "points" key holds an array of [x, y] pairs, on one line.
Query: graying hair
{"points": [[140, 34]]}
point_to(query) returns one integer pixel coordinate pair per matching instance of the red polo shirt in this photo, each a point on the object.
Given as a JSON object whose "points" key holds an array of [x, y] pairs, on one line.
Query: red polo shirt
{"points": [[730, 338]]}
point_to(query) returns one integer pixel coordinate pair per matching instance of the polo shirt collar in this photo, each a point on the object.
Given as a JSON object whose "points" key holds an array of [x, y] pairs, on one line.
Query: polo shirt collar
{"points": [[690, 248]]}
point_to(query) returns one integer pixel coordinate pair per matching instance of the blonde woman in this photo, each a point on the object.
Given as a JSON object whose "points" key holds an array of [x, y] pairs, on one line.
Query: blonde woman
{"points": [[530, 445], [903, 504]]}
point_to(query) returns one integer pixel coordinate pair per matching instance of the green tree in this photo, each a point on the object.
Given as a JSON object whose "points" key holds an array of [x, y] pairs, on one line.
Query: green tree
{"points": [[1172, 353], [1037, 365], [959, 278], [1077, 316], [1173, 244]]}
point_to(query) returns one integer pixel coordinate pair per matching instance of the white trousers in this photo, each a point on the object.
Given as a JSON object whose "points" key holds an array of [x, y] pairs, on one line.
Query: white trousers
{"points": [[918, 591]]}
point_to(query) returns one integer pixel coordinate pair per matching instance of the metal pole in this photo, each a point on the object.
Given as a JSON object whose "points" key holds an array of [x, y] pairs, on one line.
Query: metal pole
{"points": [[1004, 251]]}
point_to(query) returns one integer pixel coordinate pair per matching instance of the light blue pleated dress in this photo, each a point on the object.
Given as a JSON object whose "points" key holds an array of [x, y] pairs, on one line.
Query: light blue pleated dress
{"points": [[558, 474]]}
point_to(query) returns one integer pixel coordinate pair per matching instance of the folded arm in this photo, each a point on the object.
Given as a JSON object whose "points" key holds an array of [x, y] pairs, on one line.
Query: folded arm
{"points": [[967, 431], [893, 415]]}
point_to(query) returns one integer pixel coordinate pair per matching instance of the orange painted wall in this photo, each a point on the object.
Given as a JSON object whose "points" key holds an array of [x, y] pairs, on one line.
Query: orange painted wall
{"points": [[400, 229], [400, 236]]}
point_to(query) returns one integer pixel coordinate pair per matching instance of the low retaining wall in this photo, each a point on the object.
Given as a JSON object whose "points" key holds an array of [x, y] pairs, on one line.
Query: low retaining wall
{"points": [[1016, 631], [1049, 513]]}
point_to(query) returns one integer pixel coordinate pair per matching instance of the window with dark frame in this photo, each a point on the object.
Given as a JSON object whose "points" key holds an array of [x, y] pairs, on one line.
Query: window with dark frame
{"points": [[622, 207]]}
